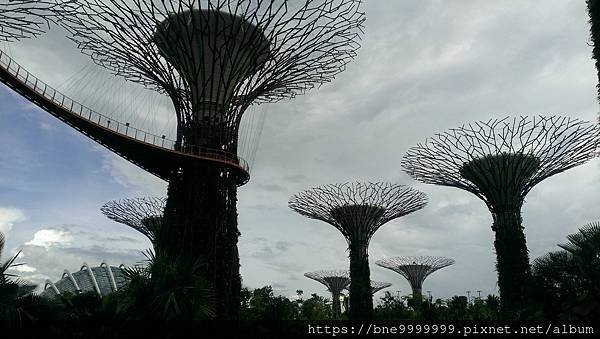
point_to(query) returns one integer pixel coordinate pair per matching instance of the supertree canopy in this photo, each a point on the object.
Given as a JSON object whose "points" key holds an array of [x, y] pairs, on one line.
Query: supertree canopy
{"points": [[142, 214], [214, 59], [358, 210], [377, 286], [500, 161], [26, 18], [335, 281], [415, 269]]}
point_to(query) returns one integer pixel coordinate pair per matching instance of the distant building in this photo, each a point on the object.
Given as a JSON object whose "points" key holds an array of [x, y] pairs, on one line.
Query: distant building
{"points": [[103, 280]]}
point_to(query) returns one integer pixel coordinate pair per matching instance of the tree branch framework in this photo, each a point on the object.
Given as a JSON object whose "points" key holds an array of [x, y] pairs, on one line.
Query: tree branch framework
{"points": [[142, 214], [415, 268], [213, 59], [357, 209], [500, 161], [20, 19], [260, 51], [511, 154], [377, 286], [23, 19], [335, 281]]}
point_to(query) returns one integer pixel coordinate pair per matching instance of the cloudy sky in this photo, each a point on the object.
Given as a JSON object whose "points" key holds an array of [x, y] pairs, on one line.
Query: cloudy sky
{"points": [[424, 67]]}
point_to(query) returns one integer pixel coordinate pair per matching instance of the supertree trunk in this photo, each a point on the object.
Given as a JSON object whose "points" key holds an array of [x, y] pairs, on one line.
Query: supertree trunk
{"points": [[336, 308], [200, 231], [417, 291], [361, 299], [512, 261], [594, 13]]}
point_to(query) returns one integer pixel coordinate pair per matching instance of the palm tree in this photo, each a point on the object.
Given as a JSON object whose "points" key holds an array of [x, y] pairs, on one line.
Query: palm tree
{"points": [[570, 278], [556, 280], [13, 291], [584, 246], [159, 289]]}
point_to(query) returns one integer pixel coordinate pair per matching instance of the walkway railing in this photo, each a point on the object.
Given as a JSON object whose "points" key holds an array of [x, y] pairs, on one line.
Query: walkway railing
{"points": [[74, 107]]}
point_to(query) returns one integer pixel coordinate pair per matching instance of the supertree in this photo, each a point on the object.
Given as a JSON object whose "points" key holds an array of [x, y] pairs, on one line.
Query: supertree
{"points": [[142, 214], [500, 161], [21, 19], [214, 59], [415, 269], [377, 286], [335, 281], [593, 7], [358, 210]]}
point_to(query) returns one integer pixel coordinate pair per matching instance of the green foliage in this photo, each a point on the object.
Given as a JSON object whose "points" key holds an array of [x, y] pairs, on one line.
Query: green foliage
{"points": [[85, 306], [512, 264], [14, 292], [361, 298], [570, 279], [262, 304], [315, 308], [424, 309], [391, 308], [161, 289]]}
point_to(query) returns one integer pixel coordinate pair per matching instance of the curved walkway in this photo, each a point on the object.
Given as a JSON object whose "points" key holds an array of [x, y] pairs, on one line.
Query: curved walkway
{"points": [[155, 154]]}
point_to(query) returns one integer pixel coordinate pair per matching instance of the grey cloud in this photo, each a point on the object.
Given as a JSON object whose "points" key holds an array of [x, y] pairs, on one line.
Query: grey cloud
{"points": [[273, 188], [425, 67], [295, 178], [279, 286]]}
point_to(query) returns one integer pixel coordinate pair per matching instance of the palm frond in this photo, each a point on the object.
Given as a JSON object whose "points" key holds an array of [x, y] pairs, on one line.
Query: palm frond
{"points": [[2, 240], [6, 277], [586, 242]]}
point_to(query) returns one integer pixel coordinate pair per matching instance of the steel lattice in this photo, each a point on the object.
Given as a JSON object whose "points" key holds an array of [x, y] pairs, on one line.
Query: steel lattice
{"points": [[334, 280], [142, 214], [253, 51], [377, 286], [358, 209], [415, 268], [501, 160]]}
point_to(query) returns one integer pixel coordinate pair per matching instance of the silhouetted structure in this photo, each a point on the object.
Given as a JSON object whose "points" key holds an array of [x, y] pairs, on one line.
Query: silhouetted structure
{"points": [[214, 59], [415, 269], [21, 19], [335, 281], [593, 7], [102, 280], [142, 214], [377, 286], [500, 161], [358, 210]]}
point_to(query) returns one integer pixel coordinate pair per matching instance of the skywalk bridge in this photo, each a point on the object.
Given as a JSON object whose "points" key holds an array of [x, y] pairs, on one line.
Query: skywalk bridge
{"points": [[155, 154]]}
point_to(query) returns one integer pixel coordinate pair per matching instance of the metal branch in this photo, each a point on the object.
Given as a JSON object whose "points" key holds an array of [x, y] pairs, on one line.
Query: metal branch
{"points": [[377, 286], [501, 160], [21, 19], [334, 280], [215, 58], [142, 214], [338, 280], [358, 209], [415, 269]]}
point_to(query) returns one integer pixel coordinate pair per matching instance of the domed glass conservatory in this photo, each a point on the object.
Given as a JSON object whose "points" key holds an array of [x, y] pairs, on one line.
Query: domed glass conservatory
{"points": [[103, 280]]}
